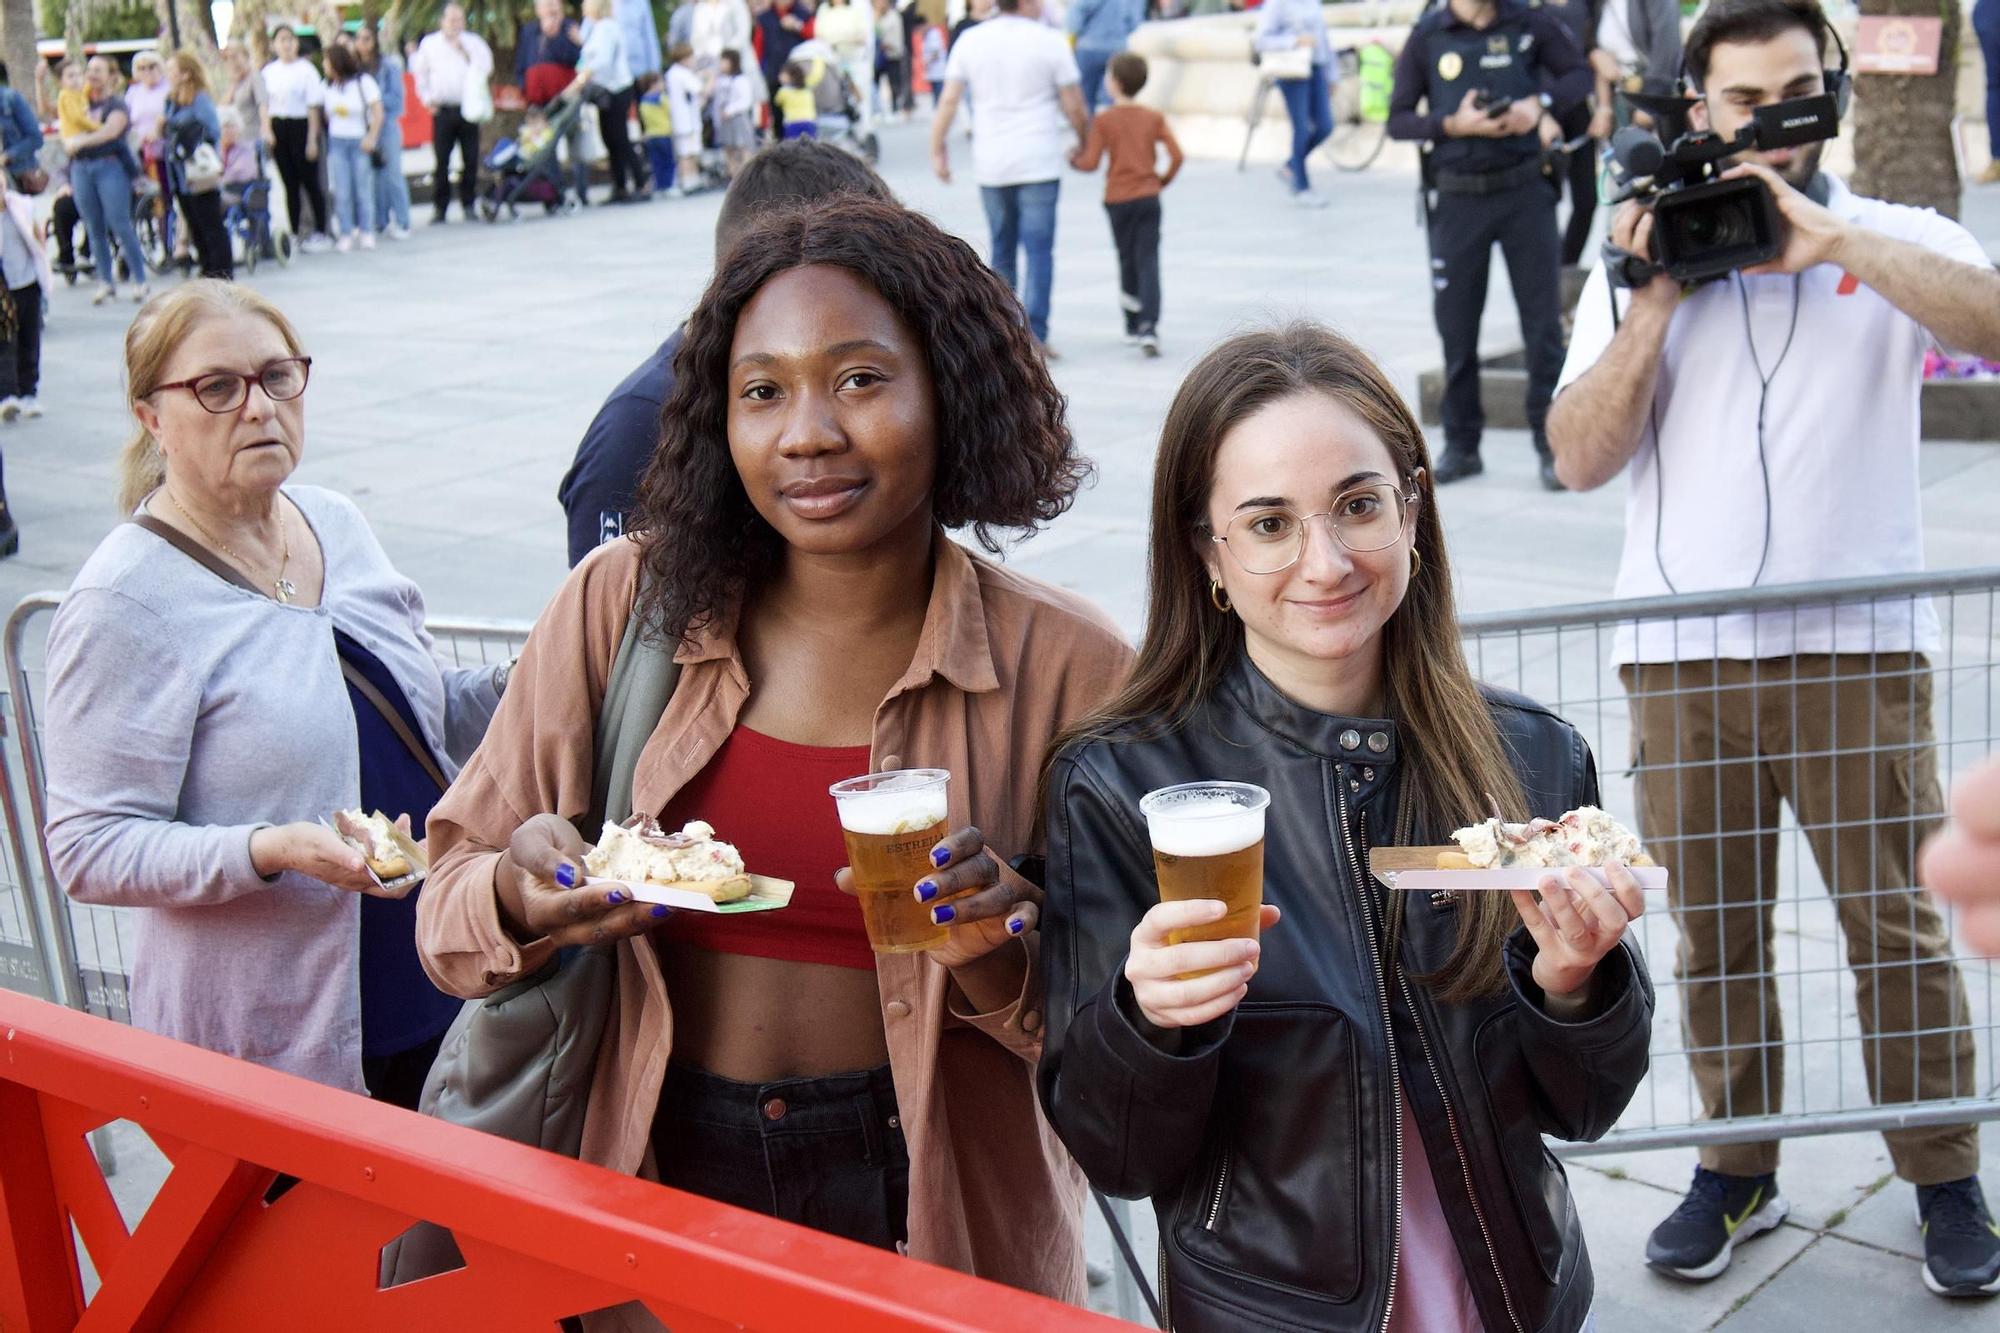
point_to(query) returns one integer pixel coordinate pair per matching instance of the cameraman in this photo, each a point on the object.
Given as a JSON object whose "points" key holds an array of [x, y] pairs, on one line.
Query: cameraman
{"points": [[1480, 68], [1771, 419]]}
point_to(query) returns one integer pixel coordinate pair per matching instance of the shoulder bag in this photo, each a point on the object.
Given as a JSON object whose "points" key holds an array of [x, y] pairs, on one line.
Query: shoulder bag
{"points": [[518, 1063]]}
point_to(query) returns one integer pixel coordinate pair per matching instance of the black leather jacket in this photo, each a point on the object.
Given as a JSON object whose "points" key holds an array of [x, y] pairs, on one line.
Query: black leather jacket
{"points": [[1270, 1141]]}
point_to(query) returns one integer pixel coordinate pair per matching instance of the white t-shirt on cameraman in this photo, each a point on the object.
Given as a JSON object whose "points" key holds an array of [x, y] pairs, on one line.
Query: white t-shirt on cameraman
{"points": [[1840, 441]]}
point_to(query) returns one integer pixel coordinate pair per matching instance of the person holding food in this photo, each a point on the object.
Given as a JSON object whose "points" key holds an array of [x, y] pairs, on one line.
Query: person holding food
{"points": [[851, 386], [228, 671], [1338, 1109]]}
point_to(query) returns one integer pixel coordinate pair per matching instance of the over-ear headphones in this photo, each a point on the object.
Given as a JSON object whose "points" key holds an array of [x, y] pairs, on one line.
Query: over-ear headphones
{"points": [[1839, 81]]}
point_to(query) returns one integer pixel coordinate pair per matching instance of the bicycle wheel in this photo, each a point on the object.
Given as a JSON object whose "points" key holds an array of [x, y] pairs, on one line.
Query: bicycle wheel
{"points": [[1356, 140]]}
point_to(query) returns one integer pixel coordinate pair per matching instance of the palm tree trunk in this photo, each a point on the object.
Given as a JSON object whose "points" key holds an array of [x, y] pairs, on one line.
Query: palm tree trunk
{"points": [[1902, 123], [17, 46]]}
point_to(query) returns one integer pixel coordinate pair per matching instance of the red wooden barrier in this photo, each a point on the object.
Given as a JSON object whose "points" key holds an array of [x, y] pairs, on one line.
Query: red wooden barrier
{"points": [[543, 1237]]}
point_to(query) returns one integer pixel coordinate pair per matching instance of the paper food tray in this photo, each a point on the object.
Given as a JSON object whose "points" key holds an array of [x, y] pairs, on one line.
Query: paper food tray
{"points": [[766, 895], [1415, 868], [420, 865]]}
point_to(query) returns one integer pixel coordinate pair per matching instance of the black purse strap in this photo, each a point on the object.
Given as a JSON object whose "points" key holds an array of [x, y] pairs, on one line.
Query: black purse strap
{"points": [[229, 573]]}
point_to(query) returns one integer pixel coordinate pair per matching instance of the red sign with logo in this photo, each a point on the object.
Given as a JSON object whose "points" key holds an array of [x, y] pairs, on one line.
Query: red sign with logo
{"points": [[1897, 45]]}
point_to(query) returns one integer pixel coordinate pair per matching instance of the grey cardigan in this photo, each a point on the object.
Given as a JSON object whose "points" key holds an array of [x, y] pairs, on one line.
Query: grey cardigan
{"points": [[184, 713]]}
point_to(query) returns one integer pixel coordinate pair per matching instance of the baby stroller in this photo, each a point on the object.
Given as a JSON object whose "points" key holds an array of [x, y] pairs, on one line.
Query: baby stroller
{"points": [[836, 100], [247, 218], [532, 176]]}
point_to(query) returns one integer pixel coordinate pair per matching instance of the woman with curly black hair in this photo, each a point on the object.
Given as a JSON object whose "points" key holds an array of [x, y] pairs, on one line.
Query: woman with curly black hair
{"points": [[853, 383]]}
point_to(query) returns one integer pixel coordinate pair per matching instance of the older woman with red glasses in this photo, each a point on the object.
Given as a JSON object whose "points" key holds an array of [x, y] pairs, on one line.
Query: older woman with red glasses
{"points": [[231, 667]]}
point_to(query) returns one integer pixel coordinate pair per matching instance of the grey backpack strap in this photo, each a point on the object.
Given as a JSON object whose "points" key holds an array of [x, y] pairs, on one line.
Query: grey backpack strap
{"points": [[643, 677]]}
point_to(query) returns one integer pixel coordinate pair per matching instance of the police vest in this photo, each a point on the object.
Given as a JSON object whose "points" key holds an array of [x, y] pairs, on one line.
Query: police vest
{"points": [[1501, 61]]}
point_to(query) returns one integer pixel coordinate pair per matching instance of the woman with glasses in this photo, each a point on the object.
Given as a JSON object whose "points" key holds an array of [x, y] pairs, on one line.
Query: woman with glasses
{"points": [[1340, 1124], [228, 669]]}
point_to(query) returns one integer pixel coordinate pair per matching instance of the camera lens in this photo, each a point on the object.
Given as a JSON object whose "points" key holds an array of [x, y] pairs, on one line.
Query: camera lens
{"points": [[1723, 225]]}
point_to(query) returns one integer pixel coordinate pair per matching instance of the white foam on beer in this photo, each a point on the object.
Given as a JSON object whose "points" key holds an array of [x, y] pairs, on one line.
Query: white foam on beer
{"points": [[891, 811], [1212, 827]]}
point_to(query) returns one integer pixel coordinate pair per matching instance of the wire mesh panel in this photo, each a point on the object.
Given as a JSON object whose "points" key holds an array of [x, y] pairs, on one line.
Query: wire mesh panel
{"points": [[1785, 752], [98, 948]]}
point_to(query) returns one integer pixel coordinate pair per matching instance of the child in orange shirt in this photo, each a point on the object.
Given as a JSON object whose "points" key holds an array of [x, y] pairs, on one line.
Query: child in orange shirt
{"points": [[1132, 135]]}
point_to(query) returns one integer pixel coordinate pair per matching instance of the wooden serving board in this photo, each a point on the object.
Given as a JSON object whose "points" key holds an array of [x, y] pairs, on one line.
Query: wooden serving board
{"points": [[1415, 868]]}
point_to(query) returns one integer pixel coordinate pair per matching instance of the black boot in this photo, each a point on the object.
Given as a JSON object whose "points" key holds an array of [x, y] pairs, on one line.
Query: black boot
{"points": [[1456, 465]]}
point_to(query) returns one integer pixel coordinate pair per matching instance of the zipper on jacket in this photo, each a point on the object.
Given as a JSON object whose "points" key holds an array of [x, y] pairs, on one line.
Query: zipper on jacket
{"points": [[1388, 1031], [1221, 1187], [1464, 1162]]}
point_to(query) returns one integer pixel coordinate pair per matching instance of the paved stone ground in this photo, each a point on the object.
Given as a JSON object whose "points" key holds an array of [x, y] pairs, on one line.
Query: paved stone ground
{"points": [[455, 372]]}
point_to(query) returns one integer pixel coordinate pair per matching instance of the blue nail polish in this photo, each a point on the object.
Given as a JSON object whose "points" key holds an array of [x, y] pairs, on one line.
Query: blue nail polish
{"points": [[926, 890], [566, 875], [940, 857], [615, 897], [1015, 925], [942, 916], [661, 910]]}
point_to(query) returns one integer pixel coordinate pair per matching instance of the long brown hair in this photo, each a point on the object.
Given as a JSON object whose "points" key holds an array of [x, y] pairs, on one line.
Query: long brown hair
{"points": [[1452, 750]]}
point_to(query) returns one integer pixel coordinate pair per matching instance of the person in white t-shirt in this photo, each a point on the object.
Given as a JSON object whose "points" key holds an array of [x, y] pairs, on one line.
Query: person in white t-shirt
{"points": [[1770, 421], [292, 124], [352, 104], [1022, 77]]}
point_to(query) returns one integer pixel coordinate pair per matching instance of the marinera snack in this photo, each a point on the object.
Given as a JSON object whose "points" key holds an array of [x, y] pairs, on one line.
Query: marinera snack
{"points": [[375, 838], [1586, 836], [639, 851]]}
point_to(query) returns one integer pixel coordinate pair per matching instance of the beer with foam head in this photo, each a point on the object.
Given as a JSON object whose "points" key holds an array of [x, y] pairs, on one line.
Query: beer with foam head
{"points": [[891, 822], [1208, 842]]}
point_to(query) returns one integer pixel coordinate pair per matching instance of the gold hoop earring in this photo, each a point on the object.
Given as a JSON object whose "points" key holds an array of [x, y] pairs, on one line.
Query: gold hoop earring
{"points": [[1217, 596], [1416, 562]]}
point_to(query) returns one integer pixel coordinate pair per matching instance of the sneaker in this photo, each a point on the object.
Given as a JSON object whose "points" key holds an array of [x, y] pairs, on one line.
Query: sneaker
{"points": [[104, 293], [1719, 1213], [1150, 344], [1456, 465], [31, 407], [345, 245], [367, 240], [1131, 339], [317, 243], [397, 232], [1550, 481], [1961, 1240], [1049, 354], [140, 293], [10, 408], [1285, 178], [1308, 199], [438, 218]]}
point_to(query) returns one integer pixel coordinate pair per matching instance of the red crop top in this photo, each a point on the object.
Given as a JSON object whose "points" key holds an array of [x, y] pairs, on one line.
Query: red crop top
{"points": [[769, 798]]}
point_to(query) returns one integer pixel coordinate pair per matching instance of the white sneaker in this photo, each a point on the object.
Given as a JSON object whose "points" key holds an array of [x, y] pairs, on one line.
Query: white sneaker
{"points": [[1309, 199], [104, 293], [398, 232], [10, 407], [140, 293], [317, 243], [30, 407], [345, 244], [367, 240]]}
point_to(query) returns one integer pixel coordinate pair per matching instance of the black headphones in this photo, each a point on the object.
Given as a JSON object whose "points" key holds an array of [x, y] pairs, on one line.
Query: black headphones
{"points": [[1839, 81]]}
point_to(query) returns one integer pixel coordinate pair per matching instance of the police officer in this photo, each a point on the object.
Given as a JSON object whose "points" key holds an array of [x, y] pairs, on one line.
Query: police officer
{"points": [[1488, 74]]}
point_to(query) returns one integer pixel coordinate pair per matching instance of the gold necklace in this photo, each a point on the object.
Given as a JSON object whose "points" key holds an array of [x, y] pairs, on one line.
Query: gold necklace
{"points": [[282, 586]]}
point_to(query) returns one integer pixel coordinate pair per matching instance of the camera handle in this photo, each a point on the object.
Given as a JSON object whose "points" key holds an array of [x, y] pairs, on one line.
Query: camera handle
{"points": [[1626, 269]]}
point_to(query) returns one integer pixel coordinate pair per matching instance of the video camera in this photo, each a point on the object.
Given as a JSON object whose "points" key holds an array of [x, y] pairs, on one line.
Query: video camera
{"points": [[1704, 226]]}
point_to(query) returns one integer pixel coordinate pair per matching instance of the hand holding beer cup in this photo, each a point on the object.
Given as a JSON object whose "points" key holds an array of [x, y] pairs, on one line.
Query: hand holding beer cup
{"points": [[1186, 985], [921, 889]]}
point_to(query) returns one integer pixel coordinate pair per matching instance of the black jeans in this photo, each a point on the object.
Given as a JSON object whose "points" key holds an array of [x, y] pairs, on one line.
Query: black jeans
{"points": [[21, 359], [1464, 229], [1135, 230], [613, 123], [211, 239], [1582, 181], [451, 130], [300, 176], [827, 1153]]}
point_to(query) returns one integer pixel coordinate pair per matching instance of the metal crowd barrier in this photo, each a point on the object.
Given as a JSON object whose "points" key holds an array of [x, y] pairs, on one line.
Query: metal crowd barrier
{"points": [[1812, 1075], [1801, 1041]]}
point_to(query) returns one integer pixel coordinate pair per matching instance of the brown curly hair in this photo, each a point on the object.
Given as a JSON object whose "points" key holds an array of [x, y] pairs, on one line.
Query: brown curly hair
{"points": [[1005, 456]]}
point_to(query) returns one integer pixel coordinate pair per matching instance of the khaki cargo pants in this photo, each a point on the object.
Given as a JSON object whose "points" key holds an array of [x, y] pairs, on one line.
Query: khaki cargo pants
{"points": [[1846, 740]]}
